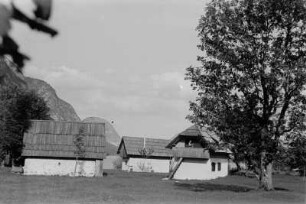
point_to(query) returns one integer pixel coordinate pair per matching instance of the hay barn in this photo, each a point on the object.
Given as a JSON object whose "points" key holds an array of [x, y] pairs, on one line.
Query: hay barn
{"points": [[51, 148], [144, 154], [192, 159]]}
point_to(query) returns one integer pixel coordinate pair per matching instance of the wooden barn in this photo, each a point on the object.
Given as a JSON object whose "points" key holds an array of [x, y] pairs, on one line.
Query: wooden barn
{"points": [[64, 148], [144, 154], [193, 160]]}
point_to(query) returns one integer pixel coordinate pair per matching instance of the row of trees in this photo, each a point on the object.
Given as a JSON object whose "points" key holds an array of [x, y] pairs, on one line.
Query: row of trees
{"points": [[252, 79], [17, 108]]}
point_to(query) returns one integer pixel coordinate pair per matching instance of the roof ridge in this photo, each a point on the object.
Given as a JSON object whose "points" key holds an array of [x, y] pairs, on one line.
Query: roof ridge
{"points": [[154, 138], [65, 121]]}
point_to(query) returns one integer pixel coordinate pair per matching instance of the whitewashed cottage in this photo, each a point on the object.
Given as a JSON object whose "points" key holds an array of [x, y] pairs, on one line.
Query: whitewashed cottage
{"points": [[144, 154], [192, 159], [50, 148]]}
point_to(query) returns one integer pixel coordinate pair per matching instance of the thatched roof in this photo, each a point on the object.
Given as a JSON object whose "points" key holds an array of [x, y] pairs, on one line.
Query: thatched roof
{"points": [[194, 132], [57, 139], [132, 146], [194, 153]]}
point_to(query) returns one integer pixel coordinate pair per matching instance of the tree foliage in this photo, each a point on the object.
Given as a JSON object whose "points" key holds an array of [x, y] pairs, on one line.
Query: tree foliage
{"points": [[17, 108], [79, 147], [251, 82], [146, 152], [79, 143], [296, 153]]}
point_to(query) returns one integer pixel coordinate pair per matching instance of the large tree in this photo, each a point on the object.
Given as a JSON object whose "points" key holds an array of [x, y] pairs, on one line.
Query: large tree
{"points": [[18, 107], [251, 81]]}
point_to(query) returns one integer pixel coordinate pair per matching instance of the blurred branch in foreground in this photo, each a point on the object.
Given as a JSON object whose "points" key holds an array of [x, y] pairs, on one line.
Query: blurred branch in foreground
{"points": [[9, 11]]}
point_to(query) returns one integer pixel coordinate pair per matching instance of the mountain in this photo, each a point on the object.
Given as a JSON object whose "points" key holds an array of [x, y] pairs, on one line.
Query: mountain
{"points": [[111, 134], [59, 109], [9, 75]]}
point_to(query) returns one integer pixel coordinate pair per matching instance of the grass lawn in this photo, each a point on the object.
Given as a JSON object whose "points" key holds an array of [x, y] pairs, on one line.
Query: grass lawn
{"points": [[122, 187]]}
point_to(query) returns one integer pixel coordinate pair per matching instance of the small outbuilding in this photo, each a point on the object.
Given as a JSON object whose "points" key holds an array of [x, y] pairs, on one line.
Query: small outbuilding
{"points": [[144, 154], [192, 157], [64, 148]]}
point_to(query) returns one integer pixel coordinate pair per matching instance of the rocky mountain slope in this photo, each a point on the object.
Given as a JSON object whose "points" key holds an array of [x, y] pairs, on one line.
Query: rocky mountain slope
{"points": [[8, 75], [59, 109]]}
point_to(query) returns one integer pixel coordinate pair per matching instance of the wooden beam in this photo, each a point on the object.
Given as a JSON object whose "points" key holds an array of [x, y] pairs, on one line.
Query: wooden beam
{"points": [[175, 168]]}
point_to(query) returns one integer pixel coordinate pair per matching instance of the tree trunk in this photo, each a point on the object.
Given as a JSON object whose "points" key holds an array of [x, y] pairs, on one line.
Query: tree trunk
{"points": [[265, 177], [266, 167], [304, 173], [238, 166], [7, 159]]}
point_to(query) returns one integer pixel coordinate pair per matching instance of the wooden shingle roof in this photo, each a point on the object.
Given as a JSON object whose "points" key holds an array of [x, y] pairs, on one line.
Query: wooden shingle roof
{"points": [[56, 139], [194, 131], [133, 145]]}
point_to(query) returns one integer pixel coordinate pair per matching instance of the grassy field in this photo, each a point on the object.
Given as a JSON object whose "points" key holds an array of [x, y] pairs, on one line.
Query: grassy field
{"points": [[121, 187]]}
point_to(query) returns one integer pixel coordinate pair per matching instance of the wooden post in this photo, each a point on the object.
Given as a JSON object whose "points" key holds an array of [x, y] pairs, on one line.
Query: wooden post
{"points": [[175, 168], [99, 168]]}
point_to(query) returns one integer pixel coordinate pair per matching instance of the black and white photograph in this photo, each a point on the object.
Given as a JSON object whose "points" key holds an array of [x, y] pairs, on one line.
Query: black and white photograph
{"points": [[152, 101]]}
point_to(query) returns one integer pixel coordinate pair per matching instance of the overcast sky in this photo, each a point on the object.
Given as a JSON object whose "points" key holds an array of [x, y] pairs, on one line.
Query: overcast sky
{"points": [[122, 60]]}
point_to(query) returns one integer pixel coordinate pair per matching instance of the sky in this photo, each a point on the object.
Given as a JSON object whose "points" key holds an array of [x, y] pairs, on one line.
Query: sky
{"points": [[122, 60]]}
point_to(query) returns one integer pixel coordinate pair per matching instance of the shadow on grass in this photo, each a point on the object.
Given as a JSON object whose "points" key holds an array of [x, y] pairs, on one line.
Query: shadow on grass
{"points": [[200, 187], [280, 189]]}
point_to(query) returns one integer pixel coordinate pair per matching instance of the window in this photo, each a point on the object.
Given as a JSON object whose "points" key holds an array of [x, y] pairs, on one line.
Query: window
{"points": [[188, 143], [213, 166], [219, 166]]}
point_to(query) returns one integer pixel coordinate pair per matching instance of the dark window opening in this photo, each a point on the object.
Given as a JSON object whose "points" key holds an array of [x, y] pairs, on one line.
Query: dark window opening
{"points": [[188, 143], [219, 166], [213, 166]]}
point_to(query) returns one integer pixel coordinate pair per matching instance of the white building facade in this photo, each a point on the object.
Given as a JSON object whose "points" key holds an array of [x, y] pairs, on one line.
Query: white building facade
{"points": [[146, 165], [144, 155], [202, 169], [192, 160], [50, 148], [59, 167]]}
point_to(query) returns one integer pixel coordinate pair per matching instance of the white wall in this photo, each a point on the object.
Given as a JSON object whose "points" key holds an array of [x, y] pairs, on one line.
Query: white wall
{"points": [[201, 169], [146, 165], [60, 167]]}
